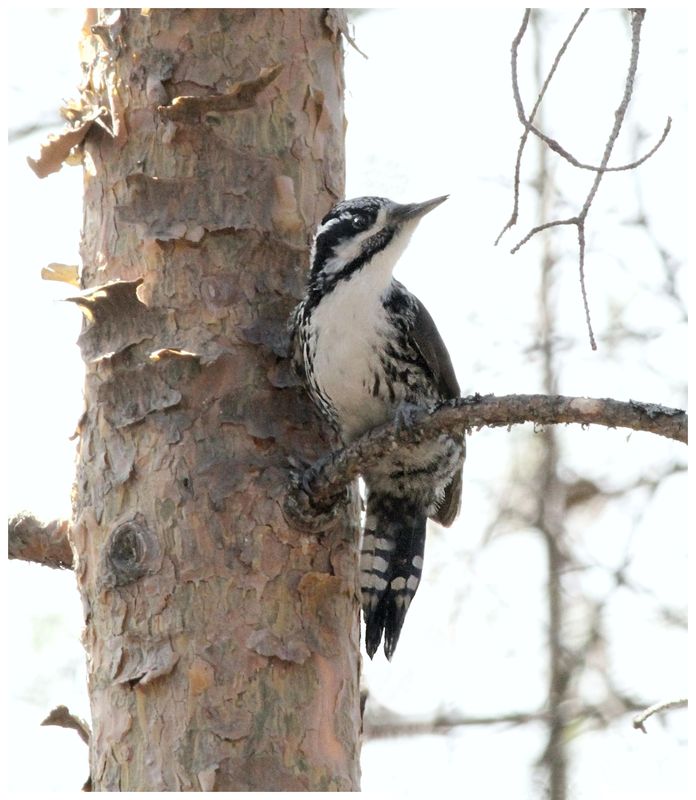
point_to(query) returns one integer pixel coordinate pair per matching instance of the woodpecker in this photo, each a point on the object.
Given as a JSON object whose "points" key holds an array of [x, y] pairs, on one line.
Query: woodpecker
{"points": [[368, 351]]}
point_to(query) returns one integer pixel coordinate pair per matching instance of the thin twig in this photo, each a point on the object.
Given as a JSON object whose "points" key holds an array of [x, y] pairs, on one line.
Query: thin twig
{"points": [[538, 228], [529, 127], [657, 708], [444, 723], [520, 108], [583, 286], [384, 724], [557, 148], [637, 16]]}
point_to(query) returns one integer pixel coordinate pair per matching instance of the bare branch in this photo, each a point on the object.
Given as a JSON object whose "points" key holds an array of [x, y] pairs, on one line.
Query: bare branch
{"points": [[548, 140], [583, 287], [537, 229], [520, 107], [561, 151], [658, 708], [62, 717], [443, 723], [47, 544], [385, 725], [637, 16], [318, 487]]}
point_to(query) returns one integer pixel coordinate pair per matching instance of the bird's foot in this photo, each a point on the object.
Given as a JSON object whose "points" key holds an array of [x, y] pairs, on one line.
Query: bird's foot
{"points": [[301, 509], [406, 416]]}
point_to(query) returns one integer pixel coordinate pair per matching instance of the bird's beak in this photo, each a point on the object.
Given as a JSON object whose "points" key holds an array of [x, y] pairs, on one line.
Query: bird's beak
{"points": [[403, 213]]}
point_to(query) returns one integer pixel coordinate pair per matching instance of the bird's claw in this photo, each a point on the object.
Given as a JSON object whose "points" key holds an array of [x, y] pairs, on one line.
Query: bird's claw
{"points": [[406, 415]]}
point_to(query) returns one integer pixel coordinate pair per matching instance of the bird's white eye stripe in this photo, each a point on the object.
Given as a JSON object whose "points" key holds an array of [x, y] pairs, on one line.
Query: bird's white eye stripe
{"points": [[328, 224], [342, 217]]}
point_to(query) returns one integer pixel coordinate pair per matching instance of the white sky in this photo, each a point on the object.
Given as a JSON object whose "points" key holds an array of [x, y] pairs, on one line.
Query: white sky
{"points": [[430, 112]]}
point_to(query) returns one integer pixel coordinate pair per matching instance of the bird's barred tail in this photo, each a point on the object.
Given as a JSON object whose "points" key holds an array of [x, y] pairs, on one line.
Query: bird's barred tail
{"points": [[391, 562]]}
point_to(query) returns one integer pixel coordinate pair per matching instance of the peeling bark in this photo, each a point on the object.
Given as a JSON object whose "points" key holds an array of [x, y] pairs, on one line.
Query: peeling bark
{"points": [[57, 147], [241, 95], [223, 646], [62, 717]]}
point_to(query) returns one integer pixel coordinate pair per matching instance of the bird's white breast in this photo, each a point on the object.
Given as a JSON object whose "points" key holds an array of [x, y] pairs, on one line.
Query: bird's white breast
{"points": [[348, 331]]}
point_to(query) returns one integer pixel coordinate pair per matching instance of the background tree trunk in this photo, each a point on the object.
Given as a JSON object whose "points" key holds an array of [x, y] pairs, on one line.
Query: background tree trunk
{"points": [[223, 647]]}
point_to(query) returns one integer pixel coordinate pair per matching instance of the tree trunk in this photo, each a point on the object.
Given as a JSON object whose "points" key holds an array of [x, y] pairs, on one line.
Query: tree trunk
{"points": [[223, 646]]}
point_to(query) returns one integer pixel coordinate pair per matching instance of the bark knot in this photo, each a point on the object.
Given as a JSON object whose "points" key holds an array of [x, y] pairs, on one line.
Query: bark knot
{"points": [[131, 552]]}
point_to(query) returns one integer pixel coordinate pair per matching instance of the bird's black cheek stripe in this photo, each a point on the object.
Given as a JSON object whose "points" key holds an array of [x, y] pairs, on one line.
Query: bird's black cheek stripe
{"points": [[320, 283]]}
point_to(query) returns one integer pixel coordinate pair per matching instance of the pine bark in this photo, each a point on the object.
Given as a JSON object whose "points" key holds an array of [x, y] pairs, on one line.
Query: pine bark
{"points": [[222, 645]]}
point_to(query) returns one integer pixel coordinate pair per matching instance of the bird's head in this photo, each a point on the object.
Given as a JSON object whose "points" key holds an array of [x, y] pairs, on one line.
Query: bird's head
{"points": [[363, 232]]}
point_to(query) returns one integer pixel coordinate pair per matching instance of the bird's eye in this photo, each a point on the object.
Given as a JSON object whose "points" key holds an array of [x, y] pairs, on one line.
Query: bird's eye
{"points": [[359, 221]]}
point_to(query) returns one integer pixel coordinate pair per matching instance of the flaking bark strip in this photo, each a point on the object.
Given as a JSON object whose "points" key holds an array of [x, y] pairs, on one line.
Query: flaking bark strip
{"points": [[188, 207], [221, 477], [109, 28], [336, 20], [320, 593], [263, 413], [241, 95], [120, 454], [142, 662], [62, 717], [173, 353], [56, 148], [266, 643], [116, 319], [130, 395], [271, 333], [64, 273]]}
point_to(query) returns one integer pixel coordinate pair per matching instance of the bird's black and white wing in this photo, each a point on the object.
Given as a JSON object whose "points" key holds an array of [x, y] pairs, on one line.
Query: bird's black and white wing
{"points": [[427, 340]]}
